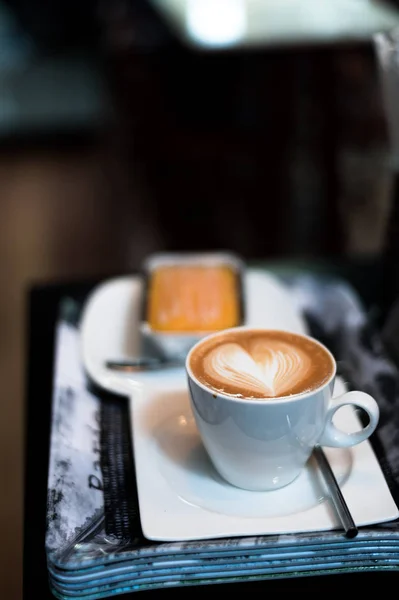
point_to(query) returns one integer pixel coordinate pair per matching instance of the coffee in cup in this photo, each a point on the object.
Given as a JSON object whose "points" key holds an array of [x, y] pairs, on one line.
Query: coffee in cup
{"points": [[261, 364]]}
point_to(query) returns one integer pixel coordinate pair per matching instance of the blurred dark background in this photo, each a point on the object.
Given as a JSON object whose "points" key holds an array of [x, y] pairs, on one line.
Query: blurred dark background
{"points": [[207, 148], [118, 139]]}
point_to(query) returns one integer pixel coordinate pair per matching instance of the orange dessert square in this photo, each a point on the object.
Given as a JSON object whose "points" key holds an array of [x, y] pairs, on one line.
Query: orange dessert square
{"points": [[193, 298]]}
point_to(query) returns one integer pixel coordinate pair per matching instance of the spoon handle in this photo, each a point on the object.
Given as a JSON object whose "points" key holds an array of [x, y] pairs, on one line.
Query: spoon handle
{"points": [[337, 498], [140, 364]]}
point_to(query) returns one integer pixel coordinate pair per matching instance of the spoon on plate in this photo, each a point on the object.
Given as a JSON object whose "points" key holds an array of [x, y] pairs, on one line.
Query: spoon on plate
{"points": [[142, 364]]}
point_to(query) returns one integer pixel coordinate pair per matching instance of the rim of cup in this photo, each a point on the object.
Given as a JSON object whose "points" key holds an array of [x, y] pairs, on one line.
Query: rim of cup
{"points": [[275, 400]]}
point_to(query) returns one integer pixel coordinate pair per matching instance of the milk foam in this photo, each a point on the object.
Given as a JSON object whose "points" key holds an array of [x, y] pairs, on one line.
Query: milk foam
{"points": [[271, 367]]}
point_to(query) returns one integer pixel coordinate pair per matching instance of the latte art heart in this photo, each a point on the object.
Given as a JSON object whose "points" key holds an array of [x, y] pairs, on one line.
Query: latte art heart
{"points": [[265, 367]]}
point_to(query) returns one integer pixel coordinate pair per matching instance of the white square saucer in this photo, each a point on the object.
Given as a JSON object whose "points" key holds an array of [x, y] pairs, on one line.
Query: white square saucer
{"points": [[182, 497]]}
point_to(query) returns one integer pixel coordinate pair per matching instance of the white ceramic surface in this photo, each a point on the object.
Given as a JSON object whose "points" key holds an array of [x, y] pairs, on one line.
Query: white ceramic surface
{"points": [[263, 445], [180, 495]]}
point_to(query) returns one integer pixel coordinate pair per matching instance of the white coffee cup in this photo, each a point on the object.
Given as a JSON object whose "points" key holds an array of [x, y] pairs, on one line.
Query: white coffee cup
{"points": [[261, 445]]}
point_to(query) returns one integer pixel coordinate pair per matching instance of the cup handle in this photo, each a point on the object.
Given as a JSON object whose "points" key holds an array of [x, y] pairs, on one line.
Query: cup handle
{"points": [[334, 437]]}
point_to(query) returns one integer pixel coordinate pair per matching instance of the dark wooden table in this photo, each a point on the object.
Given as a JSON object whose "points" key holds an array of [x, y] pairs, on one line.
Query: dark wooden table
{"points": [[42, 307]]}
